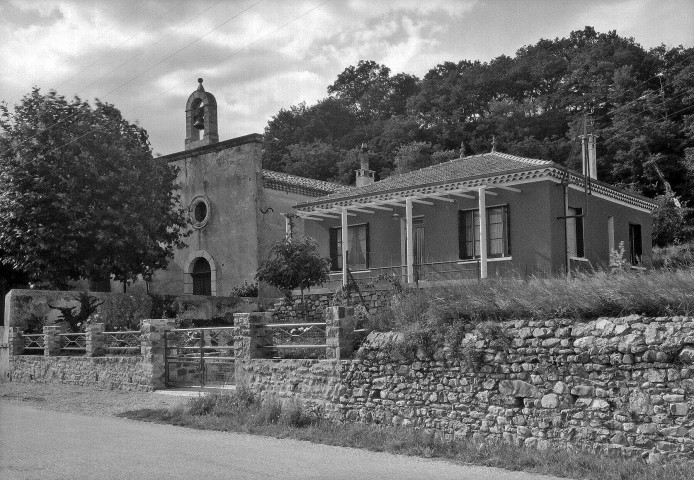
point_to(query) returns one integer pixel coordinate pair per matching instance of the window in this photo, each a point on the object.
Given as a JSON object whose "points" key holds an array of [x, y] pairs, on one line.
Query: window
{"points": [[202, 277], [574, 233], [199, 211], [635, 246], [498, 233], [358, 247]]}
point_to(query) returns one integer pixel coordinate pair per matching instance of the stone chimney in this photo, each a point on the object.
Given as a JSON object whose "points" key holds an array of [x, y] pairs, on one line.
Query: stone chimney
{"points": [[591, 155], [364, 175]]}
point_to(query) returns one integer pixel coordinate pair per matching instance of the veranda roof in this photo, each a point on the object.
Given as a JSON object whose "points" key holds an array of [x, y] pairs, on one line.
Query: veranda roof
{"points": [[455, 177]]}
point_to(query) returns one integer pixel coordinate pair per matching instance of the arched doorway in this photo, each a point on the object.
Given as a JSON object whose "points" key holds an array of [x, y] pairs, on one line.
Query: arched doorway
{"points": [[202, 277]]}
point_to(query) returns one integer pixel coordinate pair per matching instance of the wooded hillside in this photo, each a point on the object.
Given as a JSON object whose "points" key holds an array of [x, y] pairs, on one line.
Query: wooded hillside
{"points": [[641, 103]]}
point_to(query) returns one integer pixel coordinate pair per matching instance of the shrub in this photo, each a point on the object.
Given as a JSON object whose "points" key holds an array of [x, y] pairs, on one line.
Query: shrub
{"points": [[674, 256], [245, 290], [294, 264]]}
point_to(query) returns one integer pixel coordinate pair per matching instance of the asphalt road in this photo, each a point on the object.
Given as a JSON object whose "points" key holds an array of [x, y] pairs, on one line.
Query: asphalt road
{"points": [[40, 444]]}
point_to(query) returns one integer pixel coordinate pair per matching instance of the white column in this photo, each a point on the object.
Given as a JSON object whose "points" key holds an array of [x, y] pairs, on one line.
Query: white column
{"points": [[483, 232], [410, 240], [610, 233], [345, 247]]}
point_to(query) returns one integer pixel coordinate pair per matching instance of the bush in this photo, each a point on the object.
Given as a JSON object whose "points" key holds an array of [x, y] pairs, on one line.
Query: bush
{"points": [[245, 290], [674, 257]]}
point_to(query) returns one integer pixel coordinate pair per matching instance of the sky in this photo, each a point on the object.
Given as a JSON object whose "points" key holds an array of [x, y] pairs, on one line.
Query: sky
{"points": [[258, 56]]}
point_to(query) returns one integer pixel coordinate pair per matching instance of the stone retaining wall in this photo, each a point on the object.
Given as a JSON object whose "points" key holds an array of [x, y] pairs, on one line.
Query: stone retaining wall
{"points": [[314, 305], [121, 373], [616, 386]]}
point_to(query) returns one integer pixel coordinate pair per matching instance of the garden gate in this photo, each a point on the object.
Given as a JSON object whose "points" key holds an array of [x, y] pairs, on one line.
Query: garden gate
{"points": [[199, 357]]}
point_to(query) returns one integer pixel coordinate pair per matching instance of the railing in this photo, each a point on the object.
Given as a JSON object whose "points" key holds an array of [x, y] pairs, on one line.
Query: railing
{"points": [[33, 343], [74, 343], [295, 340], [434, 269], [122, 343]]}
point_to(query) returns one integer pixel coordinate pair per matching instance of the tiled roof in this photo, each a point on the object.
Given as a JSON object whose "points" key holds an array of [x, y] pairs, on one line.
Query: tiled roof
{"points": [[473, 166], [296, 184], [483, 169]]}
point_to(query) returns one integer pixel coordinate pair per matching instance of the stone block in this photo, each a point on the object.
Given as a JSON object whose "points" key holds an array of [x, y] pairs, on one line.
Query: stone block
{"points": [[550, 400]]}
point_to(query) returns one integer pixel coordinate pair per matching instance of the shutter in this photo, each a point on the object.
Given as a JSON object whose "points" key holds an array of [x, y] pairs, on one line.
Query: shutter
{"points": [[461, 234], [333, 248], [507, 231], [367, 253]]}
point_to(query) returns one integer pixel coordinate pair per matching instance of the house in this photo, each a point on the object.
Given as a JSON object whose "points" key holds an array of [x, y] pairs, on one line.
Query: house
{"points": [[425, 226], [237, 209]]}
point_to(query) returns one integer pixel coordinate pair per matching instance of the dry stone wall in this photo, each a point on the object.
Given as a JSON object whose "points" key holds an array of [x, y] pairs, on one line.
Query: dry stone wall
{"points": [[120, 373], [615, 386], [315, 304]]}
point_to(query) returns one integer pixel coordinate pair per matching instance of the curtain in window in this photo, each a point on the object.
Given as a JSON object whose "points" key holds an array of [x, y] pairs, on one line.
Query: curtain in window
{"points": [[357, 250]]}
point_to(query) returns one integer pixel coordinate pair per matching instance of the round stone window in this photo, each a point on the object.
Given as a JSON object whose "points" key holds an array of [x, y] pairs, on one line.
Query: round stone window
{"points": [[199, 211]]}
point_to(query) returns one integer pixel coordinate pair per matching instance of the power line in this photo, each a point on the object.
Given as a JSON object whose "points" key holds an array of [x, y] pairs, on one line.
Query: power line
{"points": [[155, 65], [119, 45], [132, 12], [180, 83]]}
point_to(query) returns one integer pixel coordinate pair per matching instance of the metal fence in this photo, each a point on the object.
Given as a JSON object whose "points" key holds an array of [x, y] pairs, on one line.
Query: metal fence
{"points": [[122, 343], [33, 343], [73, 343], [294, 340]]}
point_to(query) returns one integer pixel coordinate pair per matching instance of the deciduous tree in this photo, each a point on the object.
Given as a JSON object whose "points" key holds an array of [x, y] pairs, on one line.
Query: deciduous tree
{"points": [[81, 195]]}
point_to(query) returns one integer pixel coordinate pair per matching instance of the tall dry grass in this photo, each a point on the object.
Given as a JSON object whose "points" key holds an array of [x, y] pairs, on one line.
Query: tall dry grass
{"points": [[436, 317]]}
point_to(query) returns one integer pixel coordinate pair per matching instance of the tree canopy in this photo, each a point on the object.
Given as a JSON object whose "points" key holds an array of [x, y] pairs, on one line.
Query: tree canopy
{"points": [[81, 195], [294, 264], [641, 103]]}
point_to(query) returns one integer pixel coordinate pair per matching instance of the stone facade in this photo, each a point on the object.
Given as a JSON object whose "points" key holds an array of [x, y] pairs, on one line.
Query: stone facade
{"points": [[315, 304], [616, 386]]}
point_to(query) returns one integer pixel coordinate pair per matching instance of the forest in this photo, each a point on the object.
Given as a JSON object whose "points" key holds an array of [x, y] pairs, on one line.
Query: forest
{"points": [[639, 102]]}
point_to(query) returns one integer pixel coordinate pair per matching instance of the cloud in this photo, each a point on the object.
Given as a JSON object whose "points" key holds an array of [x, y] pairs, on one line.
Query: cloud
{"points": [[145, 56]]}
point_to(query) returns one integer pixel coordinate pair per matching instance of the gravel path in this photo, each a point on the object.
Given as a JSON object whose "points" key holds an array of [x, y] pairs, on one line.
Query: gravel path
{"points": [[83, 400]]}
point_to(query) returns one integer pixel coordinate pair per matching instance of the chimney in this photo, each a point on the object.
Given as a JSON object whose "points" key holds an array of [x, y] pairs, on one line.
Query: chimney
{"points": [[589, 156], [592, 157], [364, 175]]}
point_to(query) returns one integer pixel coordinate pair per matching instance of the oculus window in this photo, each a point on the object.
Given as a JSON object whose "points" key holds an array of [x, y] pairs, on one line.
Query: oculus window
{"points": [[199, 211]]}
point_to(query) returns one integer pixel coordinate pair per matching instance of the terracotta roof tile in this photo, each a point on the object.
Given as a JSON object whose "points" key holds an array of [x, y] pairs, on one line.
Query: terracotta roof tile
{"points": [[309, 186], [459, 168]]}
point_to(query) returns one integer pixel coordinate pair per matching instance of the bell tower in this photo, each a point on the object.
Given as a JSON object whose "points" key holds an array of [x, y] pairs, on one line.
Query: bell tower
{"points": [[201, 119]]}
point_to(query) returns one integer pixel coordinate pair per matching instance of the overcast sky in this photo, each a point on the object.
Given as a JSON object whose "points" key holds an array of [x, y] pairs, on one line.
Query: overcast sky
{"points": [[257, 56]]}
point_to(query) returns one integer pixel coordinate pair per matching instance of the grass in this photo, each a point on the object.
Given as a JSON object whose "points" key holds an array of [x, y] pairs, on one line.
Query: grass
{"points": [[435, 317], [243, 412], [674, 256]]}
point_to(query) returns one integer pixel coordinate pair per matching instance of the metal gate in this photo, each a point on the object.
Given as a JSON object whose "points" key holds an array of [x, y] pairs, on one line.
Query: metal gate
{"points": [[199, 357]]}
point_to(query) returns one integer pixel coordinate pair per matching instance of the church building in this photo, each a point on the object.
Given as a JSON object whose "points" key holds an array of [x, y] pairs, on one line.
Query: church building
{"points": [[237, 209]]}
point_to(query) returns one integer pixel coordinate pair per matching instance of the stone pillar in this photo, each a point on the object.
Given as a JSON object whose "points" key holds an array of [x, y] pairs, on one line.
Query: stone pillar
{"points": [[153, 351], [51, 340], [15, 342], [252, 336], [95, 340], [339, 332]]}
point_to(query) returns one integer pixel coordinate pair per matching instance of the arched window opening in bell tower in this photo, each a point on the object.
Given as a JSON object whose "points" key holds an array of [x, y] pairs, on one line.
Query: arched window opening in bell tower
{"points": [[198, 119]]}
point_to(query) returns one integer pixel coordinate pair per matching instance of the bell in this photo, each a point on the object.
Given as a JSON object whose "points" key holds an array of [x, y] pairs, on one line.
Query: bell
{"points": [[199, 123]]}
